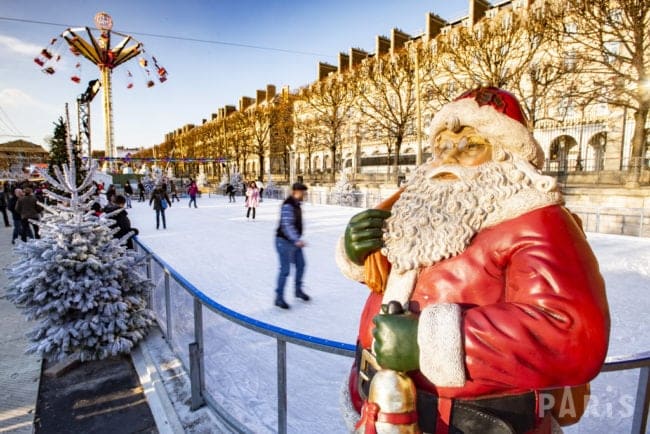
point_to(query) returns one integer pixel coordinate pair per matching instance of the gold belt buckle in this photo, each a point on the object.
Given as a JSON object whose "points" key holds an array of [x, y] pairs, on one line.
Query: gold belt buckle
{"points": [[368, 361]]}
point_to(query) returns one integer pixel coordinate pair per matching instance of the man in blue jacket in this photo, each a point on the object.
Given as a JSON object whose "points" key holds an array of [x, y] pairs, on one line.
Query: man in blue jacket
{"points": [[289, 244]]}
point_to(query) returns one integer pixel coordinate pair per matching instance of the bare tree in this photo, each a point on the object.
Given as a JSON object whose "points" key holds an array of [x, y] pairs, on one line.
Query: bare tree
{"points": [[495, 51], [309, 138], [281, 134], [331, 100], [262, 119], [613, 39], [387, 93], [239, 132]]}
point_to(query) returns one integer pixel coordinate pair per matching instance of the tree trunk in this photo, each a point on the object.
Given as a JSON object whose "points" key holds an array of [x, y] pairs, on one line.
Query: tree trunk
{"points": [[639, 137], [333, 157], [398, 148], [261, 159], [309, 163]]}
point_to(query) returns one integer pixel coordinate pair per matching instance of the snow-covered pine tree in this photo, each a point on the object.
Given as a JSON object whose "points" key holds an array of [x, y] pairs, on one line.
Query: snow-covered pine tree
{"points": [[80, 284], [59, 153], [343, 191]]}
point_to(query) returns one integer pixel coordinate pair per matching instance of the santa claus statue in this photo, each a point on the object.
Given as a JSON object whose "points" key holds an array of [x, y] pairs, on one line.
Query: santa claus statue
{"points": [[484, 291]]}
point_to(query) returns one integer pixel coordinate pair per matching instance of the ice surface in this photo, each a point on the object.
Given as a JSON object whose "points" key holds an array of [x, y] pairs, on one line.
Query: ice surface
{"points": [[234, 261]]}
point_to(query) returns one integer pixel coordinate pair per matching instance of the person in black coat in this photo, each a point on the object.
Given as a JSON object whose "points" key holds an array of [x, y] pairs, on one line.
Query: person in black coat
{"points": [[18, 223], [110, 194], [141, 191], [3, 206], [122, 221], [230, 191], [160, 202], [128, 192]]}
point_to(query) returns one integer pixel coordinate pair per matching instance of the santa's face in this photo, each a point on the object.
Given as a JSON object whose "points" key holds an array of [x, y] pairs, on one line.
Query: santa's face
{"points": [[450, 198], [464, 147]]}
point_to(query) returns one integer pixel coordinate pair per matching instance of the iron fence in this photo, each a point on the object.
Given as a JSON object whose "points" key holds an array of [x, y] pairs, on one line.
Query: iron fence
{"points": [[180, 309]]}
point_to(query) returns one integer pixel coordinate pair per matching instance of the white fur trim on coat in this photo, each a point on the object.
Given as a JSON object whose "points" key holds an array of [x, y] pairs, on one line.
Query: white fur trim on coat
{"points": [[441, 345], [349, 269], [499, 129]]}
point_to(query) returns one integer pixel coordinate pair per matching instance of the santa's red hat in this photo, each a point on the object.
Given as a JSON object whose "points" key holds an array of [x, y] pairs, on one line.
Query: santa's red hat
{"points": [[497, 116]]}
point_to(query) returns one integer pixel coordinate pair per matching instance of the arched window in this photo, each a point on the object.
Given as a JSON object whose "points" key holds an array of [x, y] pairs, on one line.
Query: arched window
{"points": [[563, 154], [596, 146]]}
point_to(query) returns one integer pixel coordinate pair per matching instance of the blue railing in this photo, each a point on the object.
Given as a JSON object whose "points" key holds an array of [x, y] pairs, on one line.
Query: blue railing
{"points": [[201, 396]]}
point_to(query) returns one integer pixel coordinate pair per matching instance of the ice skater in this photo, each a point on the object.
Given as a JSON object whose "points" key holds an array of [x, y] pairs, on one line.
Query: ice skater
{"points": [[160, 202], [140, 192], [252, 199], [289, 244], [230, 191], [172, 186], [192, 191], [128, 192]]}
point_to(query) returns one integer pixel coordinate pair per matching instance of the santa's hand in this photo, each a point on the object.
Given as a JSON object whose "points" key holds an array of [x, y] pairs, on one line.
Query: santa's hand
{"points": [[364, 234], [396, 343]]}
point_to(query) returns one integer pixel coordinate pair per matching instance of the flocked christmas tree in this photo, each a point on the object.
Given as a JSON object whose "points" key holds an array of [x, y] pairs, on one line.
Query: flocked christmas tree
{"points": [[77, 282], [343, 192]]}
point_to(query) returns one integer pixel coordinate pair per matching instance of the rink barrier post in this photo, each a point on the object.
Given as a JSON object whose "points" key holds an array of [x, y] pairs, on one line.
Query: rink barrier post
{"points": [[147, 262], [642, 403], [283, 336], [282, 386], [197, 373], [168, 306]]}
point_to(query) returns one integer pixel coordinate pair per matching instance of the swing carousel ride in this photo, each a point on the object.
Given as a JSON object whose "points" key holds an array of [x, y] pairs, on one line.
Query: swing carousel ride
{"points": [[99, 51]]}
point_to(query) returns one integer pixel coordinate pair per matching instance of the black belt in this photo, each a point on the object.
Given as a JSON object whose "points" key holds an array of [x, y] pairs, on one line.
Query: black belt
{"points": [[513, 414]]}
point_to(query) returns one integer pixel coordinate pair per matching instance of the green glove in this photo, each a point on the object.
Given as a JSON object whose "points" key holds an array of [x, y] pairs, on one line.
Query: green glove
{"points": [[396, 340], [364, 234]]}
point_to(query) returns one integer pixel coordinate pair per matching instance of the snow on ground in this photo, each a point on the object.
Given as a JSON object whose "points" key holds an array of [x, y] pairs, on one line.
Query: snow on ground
{"points": [[233, 261]]}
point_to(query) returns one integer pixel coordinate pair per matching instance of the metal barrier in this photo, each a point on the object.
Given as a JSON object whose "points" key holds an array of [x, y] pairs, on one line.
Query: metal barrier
{"points": [[610, 220], [193, 357]]}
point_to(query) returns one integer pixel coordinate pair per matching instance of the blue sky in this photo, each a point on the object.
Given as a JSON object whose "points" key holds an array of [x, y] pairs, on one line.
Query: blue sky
{"points": [[202, 77]]}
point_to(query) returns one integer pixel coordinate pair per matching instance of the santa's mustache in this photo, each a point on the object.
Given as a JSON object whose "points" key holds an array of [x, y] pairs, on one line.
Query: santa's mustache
{"points": [[452, 172]]}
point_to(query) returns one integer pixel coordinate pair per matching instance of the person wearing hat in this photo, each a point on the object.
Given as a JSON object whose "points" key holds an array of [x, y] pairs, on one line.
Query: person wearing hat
{"points": [[503, 295], [289, 244]]}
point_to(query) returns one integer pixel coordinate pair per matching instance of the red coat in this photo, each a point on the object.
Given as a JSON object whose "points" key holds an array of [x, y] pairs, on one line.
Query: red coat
{"points": [[534, 310]]}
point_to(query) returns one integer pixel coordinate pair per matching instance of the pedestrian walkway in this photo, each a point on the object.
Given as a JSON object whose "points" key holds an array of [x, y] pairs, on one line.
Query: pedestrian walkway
{"points": [[19, 373]]}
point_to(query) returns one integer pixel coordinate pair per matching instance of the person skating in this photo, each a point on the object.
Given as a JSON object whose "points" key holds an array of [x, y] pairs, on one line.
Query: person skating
{"points": [[230, 191], [172, 186], [128, 192], [121, 220], [29, 209], [141, 192], [160, 202], [289, 244], [252, 199], [192, 190]]}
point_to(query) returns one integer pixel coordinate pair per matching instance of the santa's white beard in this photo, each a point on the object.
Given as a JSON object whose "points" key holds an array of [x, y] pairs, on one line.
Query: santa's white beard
{"points": [[435, 219]]}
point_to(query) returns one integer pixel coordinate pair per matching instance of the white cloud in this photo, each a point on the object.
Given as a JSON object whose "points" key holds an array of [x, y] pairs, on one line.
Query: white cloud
{"points": [[19, 47], [12, 97]]}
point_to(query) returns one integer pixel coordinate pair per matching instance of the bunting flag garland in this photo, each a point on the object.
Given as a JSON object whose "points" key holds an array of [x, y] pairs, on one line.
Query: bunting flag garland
{"points": [[160, 160]]}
